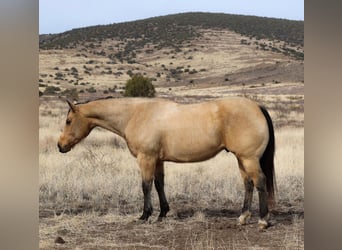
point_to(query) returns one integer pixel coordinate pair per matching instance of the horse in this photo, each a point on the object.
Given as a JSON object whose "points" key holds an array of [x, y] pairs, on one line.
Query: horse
{"points": [[158, 130]]}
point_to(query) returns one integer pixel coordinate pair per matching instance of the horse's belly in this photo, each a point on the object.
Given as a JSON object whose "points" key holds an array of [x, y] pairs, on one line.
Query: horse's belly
{"points": [[190, 150]]}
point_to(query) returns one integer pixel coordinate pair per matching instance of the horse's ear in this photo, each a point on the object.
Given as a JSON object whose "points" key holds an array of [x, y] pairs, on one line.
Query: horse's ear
{"points": [[72, 106]]}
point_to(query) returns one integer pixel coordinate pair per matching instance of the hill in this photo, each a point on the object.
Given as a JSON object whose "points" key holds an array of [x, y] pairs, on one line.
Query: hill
{"points": [[172, 30], [190, 49], [191, 57]]}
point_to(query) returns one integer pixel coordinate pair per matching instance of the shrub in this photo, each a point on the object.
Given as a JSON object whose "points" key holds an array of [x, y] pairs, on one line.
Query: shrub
{"points": [[130, 73], [51, 90], [139, 85], [91, 90], [70, 94]]}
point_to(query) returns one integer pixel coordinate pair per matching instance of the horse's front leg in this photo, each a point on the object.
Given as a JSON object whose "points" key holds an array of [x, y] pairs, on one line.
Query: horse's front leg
{"points": [[159, 184], [147, 166]]}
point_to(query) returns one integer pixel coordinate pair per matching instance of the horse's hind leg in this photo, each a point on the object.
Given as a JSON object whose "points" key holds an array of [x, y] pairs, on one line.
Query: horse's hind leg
{"points": [[249, 186], [254, 172], [147, 166], [159, 184]]}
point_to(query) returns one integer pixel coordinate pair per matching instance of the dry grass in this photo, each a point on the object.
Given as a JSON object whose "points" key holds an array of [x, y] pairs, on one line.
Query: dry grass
{"points": [[101, 166], [92, 195]]}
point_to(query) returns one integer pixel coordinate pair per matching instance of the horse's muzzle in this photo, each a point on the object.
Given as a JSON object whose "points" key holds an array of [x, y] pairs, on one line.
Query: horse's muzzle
{"points": [[63, 149]]}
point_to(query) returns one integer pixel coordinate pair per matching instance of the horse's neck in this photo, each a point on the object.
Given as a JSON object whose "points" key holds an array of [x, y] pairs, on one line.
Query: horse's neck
{"points": [[112, 115]]}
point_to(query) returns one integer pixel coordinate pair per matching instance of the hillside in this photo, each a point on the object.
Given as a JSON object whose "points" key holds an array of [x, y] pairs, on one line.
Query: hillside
{"points": [[191, 49], [172, 30]]}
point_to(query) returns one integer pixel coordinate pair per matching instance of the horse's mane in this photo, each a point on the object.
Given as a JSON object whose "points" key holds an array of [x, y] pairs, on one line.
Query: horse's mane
{"points": [[96, 99]]}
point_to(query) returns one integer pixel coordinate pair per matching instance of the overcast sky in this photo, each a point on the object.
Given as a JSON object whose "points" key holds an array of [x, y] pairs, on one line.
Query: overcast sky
{"points": [[62, 15]]}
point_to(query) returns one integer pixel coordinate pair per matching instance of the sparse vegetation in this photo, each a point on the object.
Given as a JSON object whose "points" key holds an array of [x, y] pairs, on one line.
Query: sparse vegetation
{"points": [[91, 90], [70, 94], [51, 90], [172, 30], [92, 196]]}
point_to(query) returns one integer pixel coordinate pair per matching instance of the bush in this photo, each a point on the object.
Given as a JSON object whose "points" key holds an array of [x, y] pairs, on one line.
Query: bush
{"points": [[51, 90], [70, 94], [91, 90], [139, 85]]}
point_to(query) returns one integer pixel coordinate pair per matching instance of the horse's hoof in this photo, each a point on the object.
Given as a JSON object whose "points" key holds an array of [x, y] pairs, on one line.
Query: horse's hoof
{"points": [[145, 216], [161, 218], [262, 225], [143, 220], [244, 218]]}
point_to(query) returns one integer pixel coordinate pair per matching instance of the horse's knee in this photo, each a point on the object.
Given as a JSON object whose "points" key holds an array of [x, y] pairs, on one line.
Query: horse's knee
{"points": [[146, 187]]}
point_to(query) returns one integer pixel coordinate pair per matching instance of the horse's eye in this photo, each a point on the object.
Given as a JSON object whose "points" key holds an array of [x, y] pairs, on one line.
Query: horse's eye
{"points": [[68, 122]]}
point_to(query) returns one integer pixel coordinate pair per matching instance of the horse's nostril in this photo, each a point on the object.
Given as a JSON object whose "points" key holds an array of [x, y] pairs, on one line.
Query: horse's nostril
{"points": [[59, 146]]}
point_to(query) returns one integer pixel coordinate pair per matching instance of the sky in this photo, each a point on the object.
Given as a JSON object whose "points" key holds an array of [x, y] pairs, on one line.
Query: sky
{"points": [[63, 15]]}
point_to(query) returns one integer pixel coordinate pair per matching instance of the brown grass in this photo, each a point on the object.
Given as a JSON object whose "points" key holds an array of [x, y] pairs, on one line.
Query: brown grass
{"points": [[92, 196]]}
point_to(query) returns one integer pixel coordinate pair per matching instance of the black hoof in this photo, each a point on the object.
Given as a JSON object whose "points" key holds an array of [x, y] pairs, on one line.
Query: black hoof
{"points": [[161, 216], [145, 215], [163, 213]]}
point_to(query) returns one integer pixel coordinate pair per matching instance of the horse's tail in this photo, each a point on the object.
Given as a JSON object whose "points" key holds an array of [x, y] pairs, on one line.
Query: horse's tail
{"points": [[267, 159]]}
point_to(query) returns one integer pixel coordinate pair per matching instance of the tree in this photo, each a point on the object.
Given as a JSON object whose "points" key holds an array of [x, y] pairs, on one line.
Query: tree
{"points": [[139, 85]]}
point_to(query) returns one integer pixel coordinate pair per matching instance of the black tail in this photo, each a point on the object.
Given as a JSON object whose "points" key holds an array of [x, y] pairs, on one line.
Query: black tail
{"points": [[267, 159]]}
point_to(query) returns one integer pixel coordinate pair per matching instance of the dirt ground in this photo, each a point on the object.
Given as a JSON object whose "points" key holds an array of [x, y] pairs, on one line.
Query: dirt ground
{"points": [[187, 226]]}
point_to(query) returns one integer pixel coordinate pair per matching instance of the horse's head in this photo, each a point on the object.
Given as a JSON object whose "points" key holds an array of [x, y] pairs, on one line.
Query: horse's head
{"points": [[77, 127]]}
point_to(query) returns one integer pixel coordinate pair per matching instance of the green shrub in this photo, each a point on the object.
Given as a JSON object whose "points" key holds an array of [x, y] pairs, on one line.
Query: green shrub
{"points": [[139, 85]]}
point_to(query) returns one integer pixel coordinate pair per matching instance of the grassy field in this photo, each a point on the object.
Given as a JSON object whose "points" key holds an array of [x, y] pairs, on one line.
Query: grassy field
{"points": [[92, 197]]}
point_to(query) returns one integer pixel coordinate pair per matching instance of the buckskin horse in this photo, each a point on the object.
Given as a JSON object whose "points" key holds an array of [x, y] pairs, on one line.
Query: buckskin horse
{"points": [[158, 130]]}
